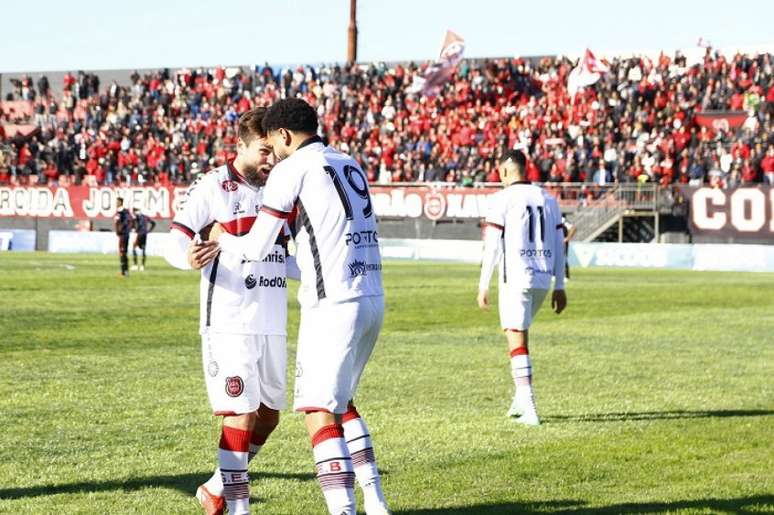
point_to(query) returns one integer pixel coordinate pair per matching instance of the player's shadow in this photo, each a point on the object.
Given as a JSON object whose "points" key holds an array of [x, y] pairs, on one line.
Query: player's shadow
{"points": [[656, 415], [752, 504], [185, 483]]}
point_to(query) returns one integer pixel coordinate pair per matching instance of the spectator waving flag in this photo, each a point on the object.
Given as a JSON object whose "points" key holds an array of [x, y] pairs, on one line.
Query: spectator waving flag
{"points": [[439, 72], [587, 72]]}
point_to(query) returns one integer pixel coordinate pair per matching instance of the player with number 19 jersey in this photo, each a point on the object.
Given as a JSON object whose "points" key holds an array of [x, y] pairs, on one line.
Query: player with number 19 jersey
{"points": [[345, 263]]}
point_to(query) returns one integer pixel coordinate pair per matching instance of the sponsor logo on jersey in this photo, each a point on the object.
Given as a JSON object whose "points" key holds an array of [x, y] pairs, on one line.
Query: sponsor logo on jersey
{"points": [[234, 386], [237, 210], [358, 267], [531, 253], [273, 282], [275, 257], [362, 238], [533, 271], [229, 185], [250, 282]]}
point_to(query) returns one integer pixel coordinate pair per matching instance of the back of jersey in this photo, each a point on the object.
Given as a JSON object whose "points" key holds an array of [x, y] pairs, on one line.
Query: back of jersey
{"points": [[335, 228], [532, 236]]}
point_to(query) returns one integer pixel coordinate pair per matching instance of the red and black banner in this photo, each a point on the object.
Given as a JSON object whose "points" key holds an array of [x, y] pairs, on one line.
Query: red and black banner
{"points": [[744, 213], [720, 120]]}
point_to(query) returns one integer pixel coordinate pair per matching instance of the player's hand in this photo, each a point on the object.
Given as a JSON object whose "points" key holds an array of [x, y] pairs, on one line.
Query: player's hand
{"points": [[483, 299], [215, 231], [202, 254], [558, 301]]}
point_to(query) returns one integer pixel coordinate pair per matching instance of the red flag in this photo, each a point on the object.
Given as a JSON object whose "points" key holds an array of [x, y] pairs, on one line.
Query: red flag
{"points": [[586, 73], [438, 73]]}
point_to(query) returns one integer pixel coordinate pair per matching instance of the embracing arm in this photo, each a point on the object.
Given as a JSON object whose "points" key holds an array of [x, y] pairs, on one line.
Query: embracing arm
{"points": [[258, 243]]}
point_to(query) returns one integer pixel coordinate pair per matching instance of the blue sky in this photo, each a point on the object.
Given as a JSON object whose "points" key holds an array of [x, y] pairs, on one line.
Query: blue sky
{"points": [[91, 34]]}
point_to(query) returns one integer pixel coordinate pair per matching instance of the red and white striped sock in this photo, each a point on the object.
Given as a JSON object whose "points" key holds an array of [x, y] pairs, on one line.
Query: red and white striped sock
{"points": [[214, 485], [334, 469], [363, 457], [521, 371], [232, 459]]}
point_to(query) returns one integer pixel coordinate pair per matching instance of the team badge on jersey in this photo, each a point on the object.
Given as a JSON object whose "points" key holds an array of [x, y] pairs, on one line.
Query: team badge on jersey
{"points": [[229, 185], [250, 282], [234, 386]]}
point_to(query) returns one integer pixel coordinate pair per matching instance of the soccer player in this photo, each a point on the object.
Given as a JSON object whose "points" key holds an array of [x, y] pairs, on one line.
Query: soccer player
{"points": [[142, 226], [524, 235], [325, 194], [243, 312], [122, 225]]}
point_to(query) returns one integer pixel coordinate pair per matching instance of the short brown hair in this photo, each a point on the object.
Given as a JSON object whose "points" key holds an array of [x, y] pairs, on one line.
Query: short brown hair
{"points": [[250, 124]]}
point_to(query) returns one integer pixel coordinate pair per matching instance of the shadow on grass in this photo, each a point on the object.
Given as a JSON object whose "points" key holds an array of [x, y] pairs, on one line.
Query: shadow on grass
{"points": [[185, 483], [656, 415], [753, 504]]}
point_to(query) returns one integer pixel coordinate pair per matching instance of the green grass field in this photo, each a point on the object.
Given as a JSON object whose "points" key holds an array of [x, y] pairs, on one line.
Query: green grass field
{"points": [[655, 389]]}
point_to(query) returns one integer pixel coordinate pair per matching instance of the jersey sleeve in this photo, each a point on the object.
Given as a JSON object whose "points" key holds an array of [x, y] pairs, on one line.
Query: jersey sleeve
{"points": [[558, 243], [282, 190], [196, 212], [495, 215]]}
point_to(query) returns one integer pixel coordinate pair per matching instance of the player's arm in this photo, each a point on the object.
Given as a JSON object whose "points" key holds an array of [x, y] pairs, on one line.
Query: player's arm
{"points": [[152, 224], [183, 249], [558, 297], [493, 237], [279, 197], [571, 230], [291, 265]]}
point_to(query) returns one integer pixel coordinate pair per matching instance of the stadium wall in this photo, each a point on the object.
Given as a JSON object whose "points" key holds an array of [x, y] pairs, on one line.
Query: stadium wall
{"points": [[700, 257]]}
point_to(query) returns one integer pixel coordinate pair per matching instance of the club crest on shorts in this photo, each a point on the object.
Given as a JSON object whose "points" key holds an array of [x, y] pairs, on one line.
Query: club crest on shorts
{"points": [[213, 368], [250, 282], [234, 386]]}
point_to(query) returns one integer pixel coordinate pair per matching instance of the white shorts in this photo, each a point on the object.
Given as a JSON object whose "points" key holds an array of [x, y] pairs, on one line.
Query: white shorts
{"points": [[335, 341], [243, 371], [519, 306]]}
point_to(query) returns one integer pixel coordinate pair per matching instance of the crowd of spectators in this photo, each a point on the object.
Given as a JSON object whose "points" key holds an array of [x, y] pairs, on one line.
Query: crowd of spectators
{"points": [[636, 124]]}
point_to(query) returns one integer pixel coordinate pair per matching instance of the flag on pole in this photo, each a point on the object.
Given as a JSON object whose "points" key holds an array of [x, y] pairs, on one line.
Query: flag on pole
{"points": [[587, 72], [439, 71]]}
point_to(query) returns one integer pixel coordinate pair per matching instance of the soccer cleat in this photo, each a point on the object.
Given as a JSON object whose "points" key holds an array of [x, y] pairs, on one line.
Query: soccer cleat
{"points": [[528, 419], [142, 268], [134, 268], [212, 504], [515, 410], [377, 509]]}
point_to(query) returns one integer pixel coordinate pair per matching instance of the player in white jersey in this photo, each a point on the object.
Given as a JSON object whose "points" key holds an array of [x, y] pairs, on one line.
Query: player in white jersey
{"points": [[325, 194], [524, 235], [243, 312]]}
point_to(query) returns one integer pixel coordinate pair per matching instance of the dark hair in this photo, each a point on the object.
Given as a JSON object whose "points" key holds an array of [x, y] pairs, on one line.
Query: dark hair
{"points": [[292, 114], [251, 124], [518, 158]]}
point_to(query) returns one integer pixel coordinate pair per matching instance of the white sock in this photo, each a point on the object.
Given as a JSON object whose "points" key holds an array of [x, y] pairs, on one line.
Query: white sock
{"points": [[232, 459], [363, 458], [521, 371], [214, 485], [334, 469]]}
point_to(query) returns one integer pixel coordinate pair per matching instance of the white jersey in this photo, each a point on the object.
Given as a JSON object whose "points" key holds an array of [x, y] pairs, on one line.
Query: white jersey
{"points": [[237, 296], [532, 239], [325, 196]]}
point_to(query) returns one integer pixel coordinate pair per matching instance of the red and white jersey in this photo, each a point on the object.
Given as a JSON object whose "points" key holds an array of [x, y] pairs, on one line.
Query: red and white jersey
{"points": [[237, 296], [532, 238], [324, 193]]}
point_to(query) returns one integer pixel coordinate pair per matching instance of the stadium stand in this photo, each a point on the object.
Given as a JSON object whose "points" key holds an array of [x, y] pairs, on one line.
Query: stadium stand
{"points": [[637, 124]]}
